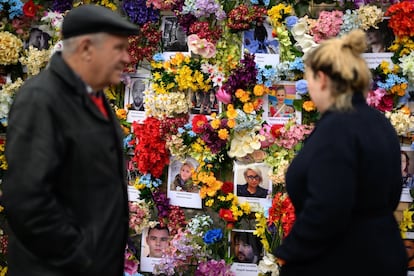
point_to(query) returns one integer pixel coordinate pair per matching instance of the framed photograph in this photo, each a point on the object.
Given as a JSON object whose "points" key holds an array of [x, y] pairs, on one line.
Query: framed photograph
{"points": [[259, 41], [153, 242], [379, 40], [174, 38], [278, 108], [134, 100], [180, 189], [246, 250], [38, 39], [204, 102], [252, 184], [407, 169]]}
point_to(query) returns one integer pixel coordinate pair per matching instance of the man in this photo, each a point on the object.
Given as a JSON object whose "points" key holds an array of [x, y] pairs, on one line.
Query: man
{"points": [[65, 194], [253, 177], [157, 241], [247, 248]]}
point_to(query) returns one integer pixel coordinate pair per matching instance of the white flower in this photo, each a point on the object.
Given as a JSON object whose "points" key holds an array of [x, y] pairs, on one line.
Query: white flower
{"points": [[244, 142], [268, 264]]}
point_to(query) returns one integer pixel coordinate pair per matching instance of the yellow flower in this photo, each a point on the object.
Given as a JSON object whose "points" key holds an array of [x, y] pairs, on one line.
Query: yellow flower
{"points": [[215, 124], [210, 202], [309, 106], [248, 108], [231, 123], [11, 46], [223, 134], [259, 90], [231, 113]]}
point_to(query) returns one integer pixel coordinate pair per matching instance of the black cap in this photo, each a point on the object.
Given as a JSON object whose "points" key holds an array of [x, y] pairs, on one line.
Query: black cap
{"points": [[88, 19]]}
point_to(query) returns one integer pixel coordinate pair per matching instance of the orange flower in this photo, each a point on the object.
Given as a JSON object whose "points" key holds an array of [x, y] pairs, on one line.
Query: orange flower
{"points": [[309, 106]]}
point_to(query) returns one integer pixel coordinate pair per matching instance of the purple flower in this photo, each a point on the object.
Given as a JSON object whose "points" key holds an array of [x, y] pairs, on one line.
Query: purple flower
{"points": [[214, 268], [139, 13]]}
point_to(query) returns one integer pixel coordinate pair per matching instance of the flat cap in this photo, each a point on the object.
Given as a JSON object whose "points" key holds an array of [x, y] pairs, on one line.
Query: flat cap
{"points": [[88, 19]]}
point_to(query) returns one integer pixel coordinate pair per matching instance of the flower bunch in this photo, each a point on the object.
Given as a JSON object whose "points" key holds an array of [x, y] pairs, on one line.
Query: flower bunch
{"points": [[205, 30], [11, 48], [301, 33], [52, 24], [328, 25], [244, 17], [201, 46], [150, 154], [7, 92], [214, 267], [407, 66], [401, 18], [35, 60], [162, 4], [389, 88], [274, 224], [369, 16], [138, 11], [180, 73], [401, 120], [179, 144], [308, 109], [240, 89], [176, 219], [278, 13], [144, 45], [287, 140], [407, 222], [139, 216], [131, 261]]}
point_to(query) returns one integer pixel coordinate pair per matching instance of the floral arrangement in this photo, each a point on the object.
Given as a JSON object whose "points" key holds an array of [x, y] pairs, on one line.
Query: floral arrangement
{"points": [[272, 226], [194, 250], [281, 145], [389, 89], [139, 216], [401, 120]]}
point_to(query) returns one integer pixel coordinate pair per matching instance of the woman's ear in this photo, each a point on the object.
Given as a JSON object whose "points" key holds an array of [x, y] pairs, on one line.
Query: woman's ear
{"points": [[323, 79]]}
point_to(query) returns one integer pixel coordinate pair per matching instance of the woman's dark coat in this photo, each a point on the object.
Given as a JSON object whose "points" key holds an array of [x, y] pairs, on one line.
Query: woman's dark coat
{"points": [[345, 185]]}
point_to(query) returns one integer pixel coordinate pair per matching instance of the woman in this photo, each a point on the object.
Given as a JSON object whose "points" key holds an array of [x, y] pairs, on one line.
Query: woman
{"points": [[281, 109], [346, 181]]}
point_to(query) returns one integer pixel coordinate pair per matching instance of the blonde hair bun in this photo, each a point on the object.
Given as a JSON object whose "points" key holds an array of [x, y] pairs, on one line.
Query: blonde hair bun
{"points": [[356, 40]]}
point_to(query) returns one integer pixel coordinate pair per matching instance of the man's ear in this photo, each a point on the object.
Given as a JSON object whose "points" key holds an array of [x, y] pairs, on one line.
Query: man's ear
{"points": [[85, 48]]}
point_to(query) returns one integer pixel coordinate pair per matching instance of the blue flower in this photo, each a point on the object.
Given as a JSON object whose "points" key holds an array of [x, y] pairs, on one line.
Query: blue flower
{"points": [[291, 21], [302, 87], [213, 236], [158, 57]]}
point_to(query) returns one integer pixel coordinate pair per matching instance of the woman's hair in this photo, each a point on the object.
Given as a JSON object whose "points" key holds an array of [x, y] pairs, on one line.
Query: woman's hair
{"points": [[255, 169], [341, 60], [407, 161]]}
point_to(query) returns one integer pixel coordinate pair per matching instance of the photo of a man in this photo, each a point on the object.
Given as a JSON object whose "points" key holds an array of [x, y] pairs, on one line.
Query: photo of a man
{"points": [[247, 248], [174, 36], [157, 240]]}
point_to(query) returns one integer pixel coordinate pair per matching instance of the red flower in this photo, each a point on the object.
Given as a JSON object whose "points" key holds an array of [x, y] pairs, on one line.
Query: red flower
{"points": [[227, 215], [198, 123], [151, 154], [282, 213], [275, 130], [30, 9], [227, 187]]}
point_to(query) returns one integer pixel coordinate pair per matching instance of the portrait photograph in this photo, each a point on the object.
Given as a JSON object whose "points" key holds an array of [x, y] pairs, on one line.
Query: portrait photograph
{"points": [[407, 170], [252, 184], [38, 39], [153, 243], [278, 105], [204, 102], [259, 41], [181, 189], [134, 100], [246, 250], [379, 40], [174, 38]]}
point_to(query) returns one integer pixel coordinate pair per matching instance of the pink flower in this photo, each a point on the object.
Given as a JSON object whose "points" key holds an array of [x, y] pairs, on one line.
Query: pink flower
{"points": [[374, 97], [201, 47], [223, 96]]}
